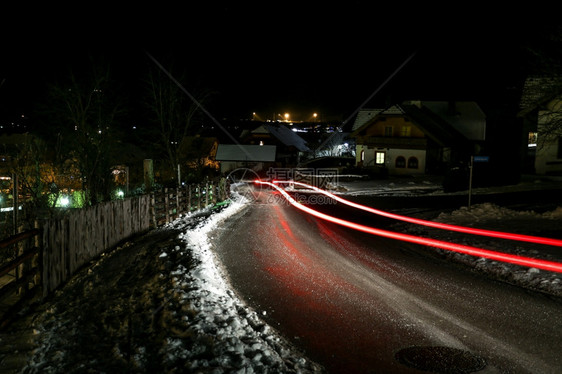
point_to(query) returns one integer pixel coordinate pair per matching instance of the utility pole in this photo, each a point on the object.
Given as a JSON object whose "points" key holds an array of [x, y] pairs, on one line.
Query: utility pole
{"points": [[474, 159]]}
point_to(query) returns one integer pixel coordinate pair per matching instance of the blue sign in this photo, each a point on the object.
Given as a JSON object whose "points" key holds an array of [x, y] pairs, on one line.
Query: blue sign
{"points": [[481, 158]]}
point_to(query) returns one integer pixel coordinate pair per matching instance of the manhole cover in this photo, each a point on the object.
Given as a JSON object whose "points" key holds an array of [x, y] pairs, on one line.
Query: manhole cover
{"points": [[440, 359]]}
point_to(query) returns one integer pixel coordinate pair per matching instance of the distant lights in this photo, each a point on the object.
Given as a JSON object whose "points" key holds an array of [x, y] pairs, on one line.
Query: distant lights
{"points": [[64, 201]]}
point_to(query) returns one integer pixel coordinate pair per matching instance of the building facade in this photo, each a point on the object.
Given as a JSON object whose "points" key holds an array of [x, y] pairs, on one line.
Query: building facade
{"points": [[417, 137]]}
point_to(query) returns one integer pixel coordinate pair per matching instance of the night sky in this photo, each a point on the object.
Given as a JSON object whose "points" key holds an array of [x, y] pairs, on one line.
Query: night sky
{"points": [[278, 57]]}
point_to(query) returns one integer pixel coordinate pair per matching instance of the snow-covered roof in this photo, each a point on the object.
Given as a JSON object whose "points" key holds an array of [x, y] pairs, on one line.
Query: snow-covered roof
{"points": [[445, 120], [284, 135], [238, 152], [364, 115]]}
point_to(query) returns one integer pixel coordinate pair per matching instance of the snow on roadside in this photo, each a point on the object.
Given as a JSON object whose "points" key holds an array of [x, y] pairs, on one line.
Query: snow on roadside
{"points": [[492, 217], [239, 340]]}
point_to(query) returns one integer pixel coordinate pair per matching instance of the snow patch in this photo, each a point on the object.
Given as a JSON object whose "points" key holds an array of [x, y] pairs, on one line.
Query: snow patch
{"points": [[492, 217], [237, 337]]}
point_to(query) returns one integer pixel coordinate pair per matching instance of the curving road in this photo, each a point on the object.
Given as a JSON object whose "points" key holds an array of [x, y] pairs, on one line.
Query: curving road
{"points": [[358, 303]]}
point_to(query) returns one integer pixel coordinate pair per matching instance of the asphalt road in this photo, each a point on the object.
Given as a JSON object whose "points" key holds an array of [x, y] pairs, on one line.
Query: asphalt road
{"points": [[358, 303]]}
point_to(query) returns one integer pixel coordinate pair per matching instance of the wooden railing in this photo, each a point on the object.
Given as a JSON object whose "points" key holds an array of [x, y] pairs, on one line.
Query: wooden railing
{"points": [[84, 234], [44, 259], [20, 277], [169, 203]]}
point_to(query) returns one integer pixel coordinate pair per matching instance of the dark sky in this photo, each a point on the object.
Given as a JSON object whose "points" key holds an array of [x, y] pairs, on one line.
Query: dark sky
{"points": [[300, 57]]}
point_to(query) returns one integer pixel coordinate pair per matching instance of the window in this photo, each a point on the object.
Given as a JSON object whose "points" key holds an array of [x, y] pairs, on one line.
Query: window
{"points": [[400, 162], [406, 131], [379, 157], [388, 131], [362, 155], [532, 139], [412, 163]]}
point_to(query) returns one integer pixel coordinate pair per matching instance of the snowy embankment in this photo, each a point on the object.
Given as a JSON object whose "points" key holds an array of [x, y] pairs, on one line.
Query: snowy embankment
{"points": [[485, 216], [159, 304], [233, 335], [492, 217]]}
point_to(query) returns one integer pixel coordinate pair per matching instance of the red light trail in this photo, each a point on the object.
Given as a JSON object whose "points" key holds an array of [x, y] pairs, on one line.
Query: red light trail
{"points": [[444, 226], [460, 248]]}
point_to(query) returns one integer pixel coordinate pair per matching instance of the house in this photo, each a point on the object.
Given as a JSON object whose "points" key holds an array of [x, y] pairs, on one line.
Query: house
{"points": [[255, 157], [198, 152], [418, 137], [541, 110], [290, 147]]}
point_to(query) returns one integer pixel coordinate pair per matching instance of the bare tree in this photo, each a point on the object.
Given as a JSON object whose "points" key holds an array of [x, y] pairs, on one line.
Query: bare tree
{"points": [[173, 112], [40, 179], [85, 111]]}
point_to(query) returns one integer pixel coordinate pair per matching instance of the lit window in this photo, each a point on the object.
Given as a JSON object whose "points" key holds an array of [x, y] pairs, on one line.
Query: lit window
{"points": [[362, 155], [379, 158], [406, 131], [532, 139]]}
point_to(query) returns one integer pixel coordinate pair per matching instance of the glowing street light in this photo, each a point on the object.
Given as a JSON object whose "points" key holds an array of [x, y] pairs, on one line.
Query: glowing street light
{"points": [[64, 201]]}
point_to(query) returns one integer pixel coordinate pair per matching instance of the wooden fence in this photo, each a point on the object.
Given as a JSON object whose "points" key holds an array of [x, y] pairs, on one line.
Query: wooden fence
{"points": [[169, 203], [46, 258], [85, 233], [20, 277]]}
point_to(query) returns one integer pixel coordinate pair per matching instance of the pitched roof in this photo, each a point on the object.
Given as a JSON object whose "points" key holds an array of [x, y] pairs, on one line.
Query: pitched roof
{"points": [[433, 126], [365, 115], [465, 116], [238, 152], [284, 135]]}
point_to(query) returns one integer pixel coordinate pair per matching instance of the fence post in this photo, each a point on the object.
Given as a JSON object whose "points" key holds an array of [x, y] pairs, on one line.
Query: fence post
{"points": [[166, 205], [214, 189], [153, 209], [178, 191], [206, 194], [222, 189], [199, 196], [189, 186]]}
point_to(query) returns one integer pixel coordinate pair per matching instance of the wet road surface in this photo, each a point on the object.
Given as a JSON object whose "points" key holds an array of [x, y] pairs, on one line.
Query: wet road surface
{"points": [[357, 303]]}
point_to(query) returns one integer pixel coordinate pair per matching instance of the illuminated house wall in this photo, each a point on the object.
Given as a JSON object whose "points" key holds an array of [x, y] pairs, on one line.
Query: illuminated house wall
{"points": [[541, 111], [548, 156]]}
